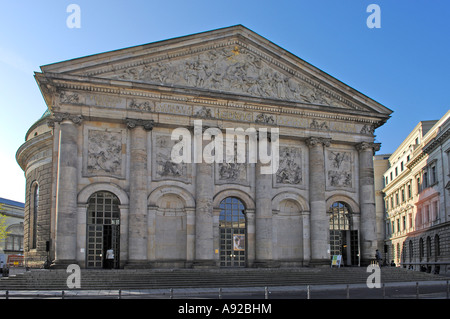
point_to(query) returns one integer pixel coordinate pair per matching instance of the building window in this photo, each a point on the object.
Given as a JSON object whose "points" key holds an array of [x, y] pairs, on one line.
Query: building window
{"points": [[411, 225], [403, 195], [401, 167], [421, 249], [14, 241], [33, 217], [411, 254], [428, 248], [435, 210], [418, 185], [425, 179], [419, 217], [433, 175], [437, 247], [409, 191], [404, 222], [396, 172]]}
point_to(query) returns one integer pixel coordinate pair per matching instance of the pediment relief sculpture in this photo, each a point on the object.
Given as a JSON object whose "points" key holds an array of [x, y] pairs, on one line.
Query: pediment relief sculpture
{"points": [[229, 69]]}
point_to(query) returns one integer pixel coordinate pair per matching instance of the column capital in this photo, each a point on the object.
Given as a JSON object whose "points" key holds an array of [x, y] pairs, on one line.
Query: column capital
{"points": [[147, 124], [313, 141], [368, 145], [59, 117]]}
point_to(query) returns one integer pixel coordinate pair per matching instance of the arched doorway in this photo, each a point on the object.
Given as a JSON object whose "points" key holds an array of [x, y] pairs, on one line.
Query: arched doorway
{"points": [[233, 233], [344, 239], [103, 230]]}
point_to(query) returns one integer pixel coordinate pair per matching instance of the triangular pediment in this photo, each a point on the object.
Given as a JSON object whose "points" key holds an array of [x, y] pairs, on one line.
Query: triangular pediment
{"points": [[233, 60]]}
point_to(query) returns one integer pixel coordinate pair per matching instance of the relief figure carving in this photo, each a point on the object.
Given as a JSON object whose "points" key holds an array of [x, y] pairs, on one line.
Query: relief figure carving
{"points": [[290, 170], [104, 152], [340, 169], [231, 69]]}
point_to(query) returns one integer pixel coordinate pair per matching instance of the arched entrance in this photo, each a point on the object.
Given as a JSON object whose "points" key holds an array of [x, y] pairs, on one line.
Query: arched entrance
{"points": [[103, 231], [233, 233], [344, 239]]}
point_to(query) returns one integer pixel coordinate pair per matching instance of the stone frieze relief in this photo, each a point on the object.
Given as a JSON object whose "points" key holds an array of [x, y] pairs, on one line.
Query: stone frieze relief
{"points": [[229, 69]]}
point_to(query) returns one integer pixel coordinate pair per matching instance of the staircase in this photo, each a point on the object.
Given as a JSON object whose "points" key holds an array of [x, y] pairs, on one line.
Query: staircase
{"points": [[211, 278]]}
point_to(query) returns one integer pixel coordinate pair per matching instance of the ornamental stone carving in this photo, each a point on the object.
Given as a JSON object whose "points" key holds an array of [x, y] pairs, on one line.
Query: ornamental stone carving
{"points": [[204, 113], [141, 106], [162, 162], [339, 172], [104, 155], [313, 141], [70, 98], [367, 129], [133, 123], [229, 69], [59, 117], [290, 166], [264, 118], [368, 145]]}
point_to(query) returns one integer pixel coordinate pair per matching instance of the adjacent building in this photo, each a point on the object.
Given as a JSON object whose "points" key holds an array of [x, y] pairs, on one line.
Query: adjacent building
{"points": [[102, 159], [12, 245], [417, 199]]}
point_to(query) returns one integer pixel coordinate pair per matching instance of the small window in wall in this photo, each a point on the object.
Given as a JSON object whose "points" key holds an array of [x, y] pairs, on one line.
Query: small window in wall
{"points": [[433, 175], [437, 247], [421, 250], [33, 217], [425, 179], [411, 251]]}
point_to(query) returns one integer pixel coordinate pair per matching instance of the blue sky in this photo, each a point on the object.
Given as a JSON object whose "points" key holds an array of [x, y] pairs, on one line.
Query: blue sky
{"points": [[404, 65]]}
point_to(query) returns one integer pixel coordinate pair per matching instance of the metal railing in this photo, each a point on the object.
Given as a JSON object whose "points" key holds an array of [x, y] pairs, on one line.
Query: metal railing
{"points": [[409, 290]]}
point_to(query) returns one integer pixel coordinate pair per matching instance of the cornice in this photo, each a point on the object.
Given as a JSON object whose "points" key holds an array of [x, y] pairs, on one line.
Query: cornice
{"points": [[189, 95], [35, 144], [434, 143]]}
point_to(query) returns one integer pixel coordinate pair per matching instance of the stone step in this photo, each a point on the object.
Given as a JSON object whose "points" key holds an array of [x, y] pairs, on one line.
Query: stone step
{"points": [[148, 279]]}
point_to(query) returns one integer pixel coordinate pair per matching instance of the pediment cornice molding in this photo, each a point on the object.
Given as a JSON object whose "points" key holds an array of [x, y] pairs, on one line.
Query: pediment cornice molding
{"points": [[67, 92], [233, 60]]}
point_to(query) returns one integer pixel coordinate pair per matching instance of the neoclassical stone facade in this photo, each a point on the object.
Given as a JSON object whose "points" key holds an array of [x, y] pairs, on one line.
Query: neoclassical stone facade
{"points": [[107, 148], [417, 185]]}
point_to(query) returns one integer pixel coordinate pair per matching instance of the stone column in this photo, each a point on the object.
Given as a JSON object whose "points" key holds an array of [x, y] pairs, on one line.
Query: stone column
{"points": [[204, 237], [263, 218], [124, 212], [306, 237], [190, 236], [151, 233], [250, 215], [319, 224], [66, 191], [137, 220], [368, 231]]}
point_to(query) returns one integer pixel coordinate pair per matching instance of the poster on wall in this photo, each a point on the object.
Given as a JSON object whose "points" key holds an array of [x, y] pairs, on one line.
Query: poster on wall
{"points": [[239, 242]]}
